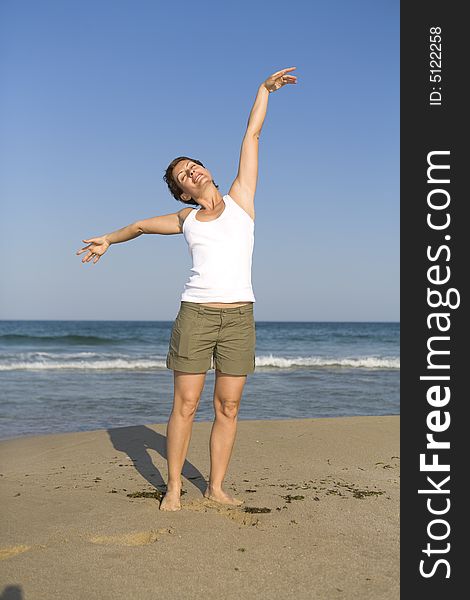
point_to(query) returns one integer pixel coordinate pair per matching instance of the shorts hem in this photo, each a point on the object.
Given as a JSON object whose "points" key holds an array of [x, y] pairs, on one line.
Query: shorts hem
{"points": [[234, 370], [186, 366], [178, 364]]}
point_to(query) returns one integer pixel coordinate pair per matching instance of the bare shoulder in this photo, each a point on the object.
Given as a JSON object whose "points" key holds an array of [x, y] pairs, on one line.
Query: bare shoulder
{"points": [[243, 198], [182, 214]]}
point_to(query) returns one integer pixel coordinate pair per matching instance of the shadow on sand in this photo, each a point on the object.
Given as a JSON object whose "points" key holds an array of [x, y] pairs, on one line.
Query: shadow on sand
{"points": [[136, 441]]}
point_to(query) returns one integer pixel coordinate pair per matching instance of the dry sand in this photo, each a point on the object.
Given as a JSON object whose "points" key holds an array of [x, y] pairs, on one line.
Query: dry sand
{"points": [[329, 489]]}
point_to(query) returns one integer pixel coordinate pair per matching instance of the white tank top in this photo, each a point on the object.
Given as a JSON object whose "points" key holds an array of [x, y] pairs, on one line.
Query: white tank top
{"points": [[221, 251]]}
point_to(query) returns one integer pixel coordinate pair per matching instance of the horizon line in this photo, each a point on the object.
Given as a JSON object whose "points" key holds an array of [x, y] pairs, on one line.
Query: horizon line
{"points": [[166, 320]]}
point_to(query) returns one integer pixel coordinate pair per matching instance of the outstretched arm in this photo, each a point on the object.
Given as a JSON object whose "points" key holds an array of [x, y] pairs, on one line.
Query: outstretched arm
{"points": [[163, 224], [244, 187]]}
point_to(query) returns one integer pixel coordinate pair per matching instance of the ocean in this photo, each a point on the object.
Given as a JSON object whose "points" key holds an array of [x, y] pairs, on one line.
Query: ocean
{"points": [[61, 376]]}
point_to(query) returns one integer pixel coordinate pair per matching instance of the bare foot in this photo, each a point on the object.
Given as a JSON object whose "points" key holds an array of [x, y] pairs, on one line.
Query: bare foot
{"points": [[171, 500], [221, 497]]}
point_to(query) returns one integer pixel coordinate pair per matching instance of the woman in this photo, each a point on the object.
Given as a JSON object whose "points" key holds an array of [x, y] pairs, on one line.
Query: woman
{"points": [[215, 323]]}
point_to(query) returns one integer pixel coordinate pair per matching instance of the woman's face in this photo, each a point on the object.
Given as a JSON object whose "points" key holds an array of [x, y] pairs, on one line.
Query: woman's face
{"points": [[191, 178]]}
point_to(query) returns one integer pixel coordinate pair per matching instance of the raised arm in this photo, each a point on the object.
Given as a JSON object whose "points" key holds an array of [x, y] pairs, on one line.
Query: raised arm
{"points": [[164, 225], [244, 186]]}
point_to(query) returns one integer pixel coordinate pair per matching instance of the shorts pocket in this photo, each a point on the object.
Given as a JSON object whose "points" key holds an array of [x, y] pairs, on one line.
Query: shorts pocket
{"points": [[248, 330], [184, 334]]}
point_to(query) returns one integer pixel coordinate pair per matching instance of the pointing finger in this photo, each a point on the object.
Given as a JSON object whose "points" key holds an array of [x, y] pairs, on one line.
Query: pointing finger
{"points": [[286, 70], [281, 73]]}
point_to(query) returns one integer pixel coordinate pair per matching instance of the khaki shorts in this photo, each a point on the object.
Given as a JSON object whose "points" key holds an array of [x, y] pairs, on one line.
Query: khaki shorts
{"points": [[204, 337]]}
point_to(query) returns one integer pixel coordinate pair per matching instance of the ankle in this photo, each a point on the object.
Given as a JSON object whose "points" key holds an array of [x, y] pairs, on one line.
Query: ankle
{"points": [[173, 486], [215, 487]]}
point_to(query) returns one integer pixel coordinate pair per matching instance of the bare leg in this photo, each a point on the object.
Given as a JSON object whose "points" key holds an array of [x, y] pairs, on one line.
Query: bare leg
{"points": [[187, 392], [227, 395]]}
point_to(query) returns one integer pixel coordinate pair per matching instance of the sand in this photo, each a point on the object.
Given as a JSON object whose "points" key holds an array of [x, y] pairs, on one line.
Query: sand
{"points": [[327, 489]]}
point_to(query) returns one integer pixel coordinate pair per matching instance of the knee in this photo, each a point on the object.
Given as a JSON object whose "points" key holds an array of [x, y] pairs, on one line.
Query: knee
{"points": [[229, 408], [186, 406]]}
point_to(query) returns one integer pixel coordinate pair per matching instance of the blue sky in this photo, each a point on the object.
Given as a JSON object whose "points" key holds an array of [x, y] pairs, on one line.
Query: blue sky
{"points": [[99, 96]]}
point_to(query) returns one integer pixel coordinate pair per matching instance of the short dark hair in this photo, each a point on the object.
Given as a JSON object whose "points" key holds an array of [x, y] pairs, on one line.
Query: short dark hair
{"points": [[174, 188]]}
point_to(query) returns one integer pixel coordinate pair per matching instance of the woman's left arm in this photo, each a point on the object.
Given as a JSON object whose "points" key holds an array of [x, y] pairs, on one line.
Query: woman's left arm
{"points": [[244, 187]]}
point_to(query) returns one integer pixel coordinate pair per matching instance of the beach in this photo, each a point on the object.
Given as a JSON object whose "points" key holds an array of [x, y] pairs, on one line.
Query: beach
{"points": [[320, 519]]}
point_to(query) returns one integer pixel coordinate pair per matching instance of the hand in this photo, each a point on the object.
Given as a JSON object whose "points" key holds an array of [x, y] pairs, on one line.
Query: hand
{"points": [[278, 79], [96, 249]]}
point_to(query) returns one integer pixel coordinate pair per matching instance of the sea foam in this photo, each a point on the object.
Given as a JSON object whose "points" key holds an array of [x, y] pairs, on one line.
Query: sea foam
{"points": [[92, 361]]}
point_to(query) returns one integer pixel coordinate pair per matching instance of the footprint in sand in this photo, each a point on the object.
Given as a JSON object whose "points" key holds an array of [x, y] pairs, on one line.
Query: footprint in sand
{"points": [[235, 513], [13, 551], [136, 538]]}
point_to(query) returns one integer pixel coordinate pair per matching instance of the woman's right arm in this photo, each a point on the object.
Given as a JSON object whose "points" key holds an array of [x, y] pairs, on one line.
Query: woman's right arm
{"points": [[164, 224]]}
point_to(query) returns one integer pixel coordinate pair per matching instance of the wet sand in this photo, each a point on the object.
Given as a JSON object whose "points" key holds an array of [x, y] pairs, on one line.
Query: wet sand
{"points": [[80, 514]]}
